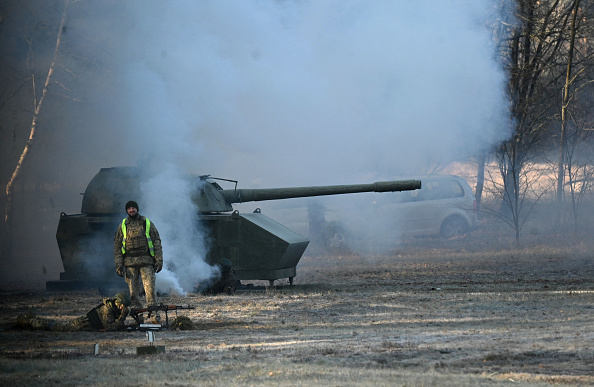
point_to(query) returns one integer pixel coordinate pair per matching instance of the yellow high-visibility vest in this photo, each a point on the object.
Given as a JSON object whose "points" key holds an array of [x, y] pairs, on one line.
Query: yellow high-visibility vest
{"points": [[148, 237]]}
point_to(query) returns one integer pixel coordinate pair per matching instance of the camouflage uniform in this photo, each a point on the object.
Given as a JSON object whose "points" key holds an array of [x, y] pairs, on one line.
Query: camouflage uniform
{"points": [[106, 316], [137, 262]]}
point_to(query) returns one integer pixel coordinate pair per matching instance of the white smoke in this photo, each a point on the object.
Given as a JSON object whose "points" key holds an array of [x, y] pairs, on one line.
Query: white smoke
{"points": [[297, 92], [167, 197], [288, 93]]}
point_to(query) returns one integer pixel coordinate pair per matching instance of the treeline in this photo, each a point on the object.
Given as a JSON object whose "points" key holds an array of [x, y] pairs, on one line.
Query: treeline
{"points": [[546, 49]]}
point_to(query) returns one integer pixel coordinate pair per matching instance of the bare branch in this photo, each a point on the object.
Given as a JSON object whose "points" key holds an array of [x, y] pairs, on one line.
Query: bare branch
{"points": [[34, 123]]}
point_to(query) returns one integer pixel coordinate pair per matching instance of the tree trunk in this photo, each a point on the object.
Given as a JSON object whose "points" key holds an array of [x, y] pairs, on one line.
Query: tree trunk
{"points": [[564, 104], [8, 210], [480, 182]]}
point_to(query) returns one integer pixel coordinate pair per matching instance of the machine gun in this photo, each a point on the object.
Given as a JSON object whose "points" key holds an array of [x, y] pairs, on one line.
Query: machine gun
{"points": [[137, 314]]}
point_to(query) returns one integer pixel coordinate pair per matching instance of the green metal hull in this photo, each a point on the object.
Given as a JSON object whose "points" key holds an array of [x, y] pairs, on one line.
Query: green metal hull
{"points": [[258, 247]]}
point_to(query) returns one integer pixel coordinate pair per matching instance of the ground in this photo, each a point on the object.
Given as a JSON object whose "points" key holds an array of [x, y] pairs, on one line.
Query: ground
{"points": [[437, 314]]}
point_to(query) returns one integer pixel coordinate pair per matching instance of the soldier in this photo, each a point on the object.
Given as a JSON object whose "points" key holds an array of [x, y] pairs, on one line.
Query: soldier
{"points": [[225, 283], [110, 315], [138, 255]]}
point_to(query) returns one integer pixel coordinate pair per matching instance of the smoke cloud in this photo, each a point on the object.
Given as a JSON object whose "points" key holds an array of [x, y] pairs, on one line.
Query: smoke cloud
{"points": [[167, 197], [281, 92], [277, 93], [274, 93]]}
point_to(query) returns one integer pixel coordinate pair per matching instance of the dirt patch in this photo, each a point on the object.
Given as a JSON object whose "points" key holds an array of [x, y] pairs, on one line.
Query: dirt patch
{"points": [[446, 314]]}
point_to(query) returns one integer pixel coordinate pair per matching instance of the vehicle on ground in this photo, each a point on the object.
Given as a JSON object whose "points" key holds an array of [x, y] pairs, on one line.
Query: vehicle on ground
{"points": [[445, 206], [258, 247]]}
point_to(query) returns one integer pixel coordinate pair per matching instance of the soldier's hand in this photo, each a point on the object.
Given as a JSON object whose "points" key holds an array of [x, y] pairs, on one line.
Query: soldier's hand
{"points": [[158, 266], [120, 271]]}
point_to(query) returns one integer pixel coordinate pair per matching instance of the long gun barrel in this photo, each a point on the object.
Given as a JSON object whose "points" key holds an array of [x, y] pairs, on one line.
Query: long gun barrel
{"points": [[255, 195]]}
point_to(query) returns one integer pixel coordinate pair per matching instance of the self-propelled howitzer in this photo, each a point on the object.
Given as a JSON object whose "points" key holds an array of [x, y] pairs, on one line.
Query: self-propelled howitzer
{"points": [[258, 247]]}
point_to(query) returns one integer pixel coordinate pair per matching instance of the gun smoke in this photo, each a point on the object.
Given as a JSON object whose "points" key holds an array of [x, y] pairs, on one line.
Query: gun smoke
{"points": [[168, 195], [275, 93]]}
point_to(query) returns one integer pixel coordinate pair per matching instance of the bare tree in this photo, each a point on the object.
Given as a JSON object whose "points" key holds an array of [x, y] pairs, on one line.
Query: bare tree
{"points": [[37, 108], [501, 27], [38, 101], [528, 193], [579, 157], [532, 52], [578, 61], [564, 104]]}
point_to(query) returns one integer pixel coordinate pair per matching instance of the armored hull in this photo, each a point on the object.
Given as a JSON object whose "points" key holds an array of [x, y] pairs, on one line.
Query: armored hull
{"points": [[258, 247]]}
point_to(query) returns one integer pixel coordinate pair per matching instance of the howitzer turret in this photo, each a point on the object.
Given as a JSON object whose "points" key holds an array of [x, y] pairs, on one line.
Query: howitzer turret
{"points": [[258, 247]]}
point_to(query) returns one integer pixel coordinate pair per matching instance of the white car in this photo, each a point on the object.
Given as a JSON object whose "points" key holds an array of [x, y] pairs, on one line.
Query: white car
{"points": [[444, 206]]}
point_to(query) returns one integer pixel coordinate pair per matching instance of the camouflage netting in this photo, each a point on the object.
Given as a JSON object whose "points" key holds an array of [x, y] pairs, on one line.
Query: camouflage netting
{"points": [[182, 323]]}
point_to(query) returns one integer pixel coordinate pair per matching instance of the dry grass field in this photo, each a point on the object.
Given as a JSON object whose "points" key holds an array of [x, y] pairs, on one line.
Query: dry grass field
{"points": [[432, 313]]}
